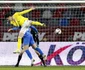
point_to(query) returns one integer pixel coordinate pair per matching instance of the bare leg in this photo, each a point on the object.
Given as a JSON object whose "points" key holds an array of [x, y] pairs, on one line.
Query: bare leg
{"points": [[41, 56], [24, 49]]}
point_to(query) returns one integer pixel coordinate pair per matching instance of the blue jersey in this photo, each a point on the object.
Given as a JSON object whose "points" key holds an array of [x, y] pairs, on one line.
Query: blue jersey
{"points": [[33, 30], [27, 38]]}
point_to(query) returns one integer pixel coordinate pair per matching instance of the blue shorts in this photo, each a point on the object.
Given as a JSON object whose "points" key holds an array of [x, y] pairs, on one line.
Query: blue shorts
{"points": [[28, 39]]}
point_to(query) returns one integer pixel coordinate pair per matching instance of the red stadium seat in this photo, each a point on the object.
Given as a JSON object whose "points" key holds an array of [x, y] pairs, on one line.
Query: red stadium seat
{"points": [[74, 22], [36, 14], [57, 14]]}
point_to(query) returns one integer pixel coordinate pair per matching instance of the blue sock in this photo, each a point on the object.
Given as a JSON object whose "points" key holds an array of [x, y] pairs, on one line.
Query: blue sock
{"points": [[29, 54], [39, 50]]}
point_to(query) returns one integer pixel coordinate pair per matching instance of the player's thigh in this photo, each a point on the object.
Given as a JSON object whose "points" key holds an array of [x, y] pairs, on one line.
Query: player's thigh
{"points": [[25, 47], [26, 40], [27, 23], [24, 28], [22, 31], [32, 43], [25, 44]]}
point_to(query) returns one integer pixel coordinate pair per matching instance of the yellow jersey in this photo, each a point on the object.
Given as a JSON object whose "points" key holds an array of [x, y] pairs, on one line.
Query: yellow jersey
{"points": [[19, 19]]}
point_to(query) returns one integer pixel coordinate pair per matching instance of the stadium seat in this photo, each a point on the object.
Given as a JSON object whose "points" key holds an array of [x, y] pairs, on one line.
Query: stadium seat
{"points": [[57, 14], [36, 14], [74, 22]]}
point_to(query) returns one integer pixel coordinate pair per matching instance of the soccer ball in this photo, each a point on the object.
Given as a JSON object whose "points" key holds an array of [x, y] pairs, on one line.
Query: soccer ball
{"points": [[58, 31]]}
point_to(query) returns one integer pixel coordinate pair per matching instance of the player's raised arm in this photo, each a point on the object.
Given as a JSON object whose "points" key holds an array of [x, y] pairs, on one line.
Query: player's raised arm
{"points": [[26, 11]]}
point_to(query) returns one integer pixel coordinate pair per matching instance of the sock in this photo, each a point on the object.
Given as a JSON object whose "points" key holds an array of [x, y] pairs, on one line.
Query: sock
{"points": [[39, 50], [19, 43], [32, 61], [29, 54], [41, 57], [19, 58]]}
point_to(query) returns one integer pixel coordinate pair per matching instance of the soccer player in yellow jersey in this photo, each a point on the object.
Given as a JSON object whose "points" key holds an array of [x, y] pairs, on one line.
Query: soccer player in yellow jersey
{"points": [[18, 20]]}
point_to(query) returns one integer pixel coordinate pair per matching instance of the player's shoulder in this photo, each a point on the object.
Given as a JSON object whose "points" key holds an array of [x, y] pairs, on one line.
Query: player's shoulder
{"points": [[16, 13]]}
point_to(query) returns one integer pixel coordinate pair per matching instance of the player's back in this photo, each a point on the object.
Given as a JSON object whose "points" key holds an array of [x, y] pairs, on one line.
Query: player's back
{"points": [[19, 19]]}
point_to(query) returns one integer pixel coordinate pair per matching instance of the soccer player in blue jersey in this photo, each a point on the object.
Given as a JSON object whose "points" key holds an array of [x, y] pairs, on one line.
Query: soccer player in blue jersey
{"points": [[34, 33]]}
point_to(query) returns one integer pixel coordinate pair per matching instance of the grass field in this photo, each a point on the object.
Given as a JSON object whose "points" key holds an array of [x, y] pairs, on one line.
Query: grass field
{"points": [[43, 68]]}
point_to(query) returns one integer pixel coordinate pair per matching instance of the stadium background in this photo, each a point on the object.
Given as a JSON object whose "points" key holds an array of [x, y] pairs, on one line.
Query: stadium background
{"points": [[70, 17], [70, 20]]}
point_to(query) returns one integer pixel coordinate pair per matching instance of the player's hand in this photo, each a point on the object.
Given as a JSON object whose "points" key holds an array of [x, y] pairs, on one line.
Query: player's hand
{"points": [[44, 24], [32, 7], [9, 30]]}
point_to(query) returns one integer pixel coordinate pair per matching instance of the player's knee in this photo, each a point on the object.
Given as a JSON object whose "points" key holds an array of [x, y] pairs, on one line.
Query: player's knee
{"points": [[25, 47], [21, 35], [21, 54], [37, 53], [34, 46]]}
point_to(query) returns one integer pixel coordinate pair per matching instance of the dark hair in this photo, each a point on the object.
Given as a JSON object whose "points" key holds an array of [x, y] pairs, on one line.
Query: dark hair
{"points": [[8, 14]]}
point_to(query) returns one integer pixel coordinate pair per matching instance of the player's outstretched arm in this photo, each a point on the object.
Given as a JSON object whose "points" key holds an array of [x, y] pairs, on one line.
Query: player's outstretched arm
{"points": [[27, 11], [14, 28], [9, 29]]}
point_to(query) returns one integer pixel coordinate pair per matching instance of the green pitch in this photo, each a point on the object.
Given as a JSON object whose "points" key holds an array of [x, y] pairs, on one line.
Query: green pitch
{"points": [[43, 68]]}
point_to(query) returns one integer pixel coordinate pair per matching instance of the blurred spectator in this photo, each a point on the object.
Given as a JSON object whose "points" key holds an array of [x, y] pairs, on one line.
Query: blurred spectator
{"points": [[67, 14], [63, 22], [82, 21], [57, 14], [47, 14], [53, 22], [18, 7]]}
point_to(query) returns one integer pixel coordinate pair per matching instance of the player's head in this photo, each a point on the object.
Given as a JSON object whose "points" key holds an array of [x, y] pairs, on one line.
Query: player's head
{"points": [[8, 16]]}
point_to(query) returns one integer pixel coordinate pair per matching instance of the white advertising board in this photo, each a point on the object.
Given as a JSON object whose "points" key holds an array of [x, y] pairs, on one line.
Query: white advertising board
{"points": [[58, 53]]}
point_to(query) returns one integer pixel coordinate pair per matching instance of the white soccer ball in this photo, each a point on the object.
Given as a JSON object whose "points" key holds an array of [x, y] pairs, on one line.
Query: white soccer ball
{"points": [[58, 31]]}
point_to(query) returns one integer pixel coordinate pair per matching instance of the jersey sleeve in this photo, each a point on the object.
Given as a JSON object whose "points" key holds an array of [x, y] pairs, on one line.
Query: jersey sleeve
{"points": [[25, 11], [15, 28]]}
